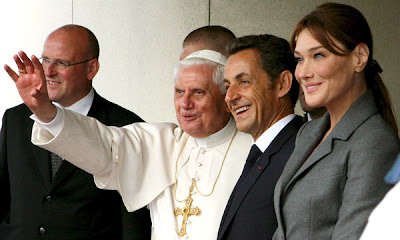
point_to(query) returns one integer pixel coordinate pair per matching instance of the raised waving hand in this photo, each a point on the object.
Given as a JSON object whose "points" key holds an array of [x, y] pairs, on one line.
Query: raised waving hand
{"points": [[31, 85]]}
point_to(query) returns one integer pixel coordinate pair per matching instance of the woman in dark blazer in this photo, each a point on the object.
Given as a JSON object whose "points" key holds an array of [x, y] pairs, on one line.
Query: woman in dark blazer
{"points": [[335, 175]]}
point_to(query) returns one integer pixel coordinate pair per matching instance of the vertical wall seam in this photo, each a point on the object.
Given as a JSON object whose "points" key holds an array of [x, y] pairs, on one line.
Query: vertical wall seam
{"points": [[209, 12], [72, 11]]}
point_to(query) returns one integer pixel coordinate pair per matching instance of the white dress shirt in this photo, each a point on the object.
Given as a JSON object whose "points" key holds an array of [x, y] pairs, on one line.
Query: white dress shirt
{"points": [[269, 135]]}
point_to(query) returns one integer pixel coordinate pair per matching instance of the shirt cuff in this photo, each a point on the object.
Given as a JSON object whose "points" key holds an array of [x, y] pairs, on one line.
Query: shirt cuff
{"points": [[55, 126]]}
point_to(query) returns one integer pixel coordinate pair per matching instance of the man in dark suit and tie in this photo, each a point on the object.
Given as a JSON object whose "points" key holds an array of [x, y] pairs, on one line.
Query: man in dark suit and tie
{"points": [[261, 94], [43, 196]]}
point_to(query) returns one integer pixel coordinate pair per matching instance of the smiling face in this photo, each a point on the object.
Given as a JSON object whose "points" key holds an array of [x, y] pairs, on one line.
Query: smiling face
{"points": [[199, 102], [67, 86], [252, 100], [327, 79]]}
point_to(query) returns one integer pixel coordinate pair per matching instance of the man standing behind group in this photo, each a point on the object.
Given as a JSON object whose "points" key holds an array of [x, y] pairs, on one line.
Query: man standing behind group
{"points": [[214, 37], [261, 95], [42, 196], [185, 174]]}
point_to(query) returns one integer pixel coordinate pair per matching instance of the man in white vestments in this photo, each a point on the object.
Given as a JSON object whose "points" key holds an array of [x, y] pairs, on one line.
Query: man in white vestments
{"points": [[383, 223], [184, 174], [384, 219]]}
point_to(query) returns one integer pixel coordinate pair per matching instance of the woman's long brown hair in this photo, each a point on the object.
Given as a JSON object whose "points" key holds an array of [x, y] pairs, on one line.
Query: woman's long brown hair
{"points": [[347, 25]]}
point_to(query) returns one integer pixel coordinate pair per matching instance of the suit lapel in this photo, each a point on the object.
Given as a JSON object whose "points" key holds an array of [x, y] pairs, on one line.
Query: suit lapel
{"points": [[40, 155], [244, 185], [309, 140], [304, 158], [42, 162], [98, 109], [309, 136]]}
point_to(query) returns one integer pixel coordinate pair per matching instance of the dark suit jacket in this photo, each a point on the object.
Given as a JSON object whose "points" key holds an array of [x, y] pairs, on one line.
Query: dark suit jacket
{"points": [[32, 207], [250, 210], [328, 192]]}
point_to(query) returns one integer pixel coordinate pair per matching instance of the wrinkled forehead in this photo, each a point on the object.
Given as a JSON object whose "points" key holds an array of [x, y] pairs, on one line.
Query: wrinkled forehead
{"points": [[198, 74], [245, 61]]}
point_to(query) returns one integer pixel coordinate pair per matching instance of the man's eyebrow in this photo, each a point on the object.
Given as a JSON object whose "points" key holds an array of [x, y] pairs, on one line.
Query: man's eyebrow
{"points": [[237, 77], [240, 75]]}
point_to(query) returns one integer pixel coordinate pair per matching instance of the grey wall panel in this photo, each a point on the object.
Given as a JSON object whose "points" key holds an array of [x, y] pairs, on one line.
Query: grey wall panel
{"points": [[141, 40], [25, 25], [140, 44], [279, 18]]}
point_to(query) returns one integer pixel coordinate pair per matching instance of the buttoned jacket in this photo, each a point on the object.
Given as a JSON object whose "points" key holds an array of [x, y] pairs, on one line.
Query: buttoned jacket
{"points": [[71, 207]]}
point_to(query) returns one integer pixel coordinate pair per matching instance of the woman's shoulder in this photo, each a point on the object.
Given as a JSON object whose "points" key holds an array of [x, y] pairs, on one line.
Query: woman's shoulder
{"points": [[375, 127]]}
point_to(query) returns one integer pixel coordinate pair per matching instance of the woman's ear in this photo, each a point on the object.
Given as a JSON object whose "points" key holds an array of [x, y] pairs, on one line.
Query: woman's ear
{"points": [[361, 53]]}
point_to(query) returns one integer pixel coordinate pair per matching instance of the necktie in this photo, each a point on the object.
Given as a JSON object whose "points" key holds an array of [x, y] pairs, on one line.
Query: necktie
{"points": [[55, 164], [251, 159]]}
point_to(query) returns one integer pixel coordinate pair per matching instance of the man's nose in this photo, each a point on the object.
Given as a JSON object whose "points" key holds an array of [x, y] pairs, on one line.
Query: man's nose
{"points": [[232, 94], [186, 101], [49, 69]]}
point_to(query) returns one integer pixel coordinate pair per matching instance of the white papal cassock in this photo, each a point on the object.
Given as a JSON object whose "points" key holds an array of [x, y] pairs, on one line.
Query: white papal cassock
{"points": [[383, 223], [142, 161]]}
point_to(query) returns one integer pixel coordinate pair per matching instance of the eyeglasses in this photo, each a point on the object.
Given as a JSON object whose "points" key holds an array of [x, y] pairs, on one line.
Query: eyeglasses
{"points": [[59, 64]]}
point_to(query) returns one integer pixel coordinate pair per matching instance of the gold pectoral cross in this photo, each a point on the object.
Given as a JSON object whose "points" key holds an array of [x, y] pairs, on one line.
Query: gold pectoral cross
{"points": [[187, 211]]}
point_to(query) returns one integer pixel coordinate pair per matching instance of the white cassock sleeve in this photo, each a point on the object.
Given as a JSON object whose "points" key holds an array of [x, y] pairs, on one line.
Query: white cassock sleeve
{"points": [[383, 223], [137, 160]]}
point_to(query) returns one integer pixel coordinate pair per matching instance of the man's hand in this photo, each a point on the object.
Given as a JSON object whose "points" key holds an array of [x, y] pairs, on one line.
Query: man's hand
{"points": [[31, 84]]}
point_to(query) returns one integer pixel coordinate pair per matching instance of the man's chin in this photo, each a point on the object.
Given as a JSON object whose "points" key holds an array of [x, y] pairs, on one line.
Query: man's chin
{"points": [[189, 129], [192, 130], [242, 127]]}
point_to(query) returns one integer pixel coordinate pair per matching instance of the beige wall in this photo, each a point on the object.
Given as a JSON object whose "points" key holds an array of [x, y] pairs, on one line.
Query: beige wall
{"points": [[140, 41]]}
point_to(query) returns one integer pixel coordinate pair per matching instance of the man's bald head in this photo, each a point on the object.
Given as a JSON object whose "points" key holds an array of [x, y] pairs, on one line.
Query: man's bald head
{"points": [[93, 49], [77, 49], [215, 38]]}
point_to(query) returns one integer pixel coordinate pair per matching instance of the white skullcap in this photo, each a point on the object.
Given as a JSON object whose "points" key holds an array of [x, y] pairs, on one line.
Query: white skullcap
{"points": [[209, 55]]}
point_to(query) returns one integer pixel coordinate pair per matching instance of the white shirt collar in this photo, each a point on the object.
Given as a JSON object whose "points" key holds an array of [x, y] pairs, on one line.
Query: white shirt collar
{"points": [[82, 106], [308, 117], [269, 135], [219, 137]]}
